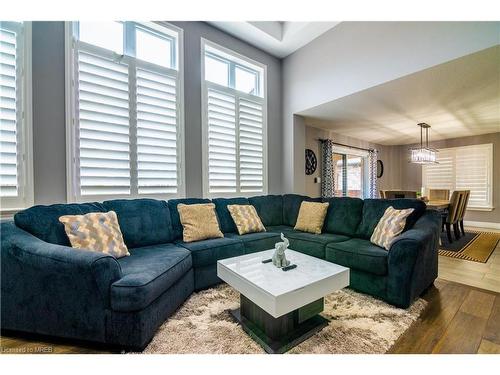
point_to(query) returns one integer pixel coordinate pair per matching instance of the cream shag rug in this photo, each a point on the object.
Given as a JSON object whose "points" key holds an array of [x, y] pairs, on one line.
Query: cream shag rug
{"points": [[358, 324]]}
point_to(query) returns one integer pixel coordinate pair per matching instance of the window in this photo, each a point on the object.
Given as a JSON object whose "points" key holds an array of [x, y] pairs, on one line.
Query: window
{"points": [[349, 175], [16, 169], [464, 168], [125, 110], [234, 124]]}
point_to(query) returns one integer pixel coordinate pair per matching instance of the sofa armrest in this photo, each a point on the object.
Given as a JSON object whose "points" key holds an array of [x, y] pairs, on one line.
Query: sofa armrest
{"points": [[412, 258], [47, 258]]}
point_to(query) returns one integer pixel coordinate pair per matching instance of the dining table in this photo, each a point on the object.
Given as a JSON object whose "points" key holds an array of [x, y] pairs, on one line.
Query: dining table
{"points": [[438, 204]]}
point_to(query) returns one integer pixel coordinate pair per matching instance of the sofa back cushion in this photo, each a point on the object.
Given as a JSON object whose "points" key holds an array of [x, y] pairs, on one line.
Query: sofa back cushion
{"points": [[291, 207], [43, 221], [269, 208], [174, 214], [343, 216], [143, 222], [226, 222], [373, 210]]}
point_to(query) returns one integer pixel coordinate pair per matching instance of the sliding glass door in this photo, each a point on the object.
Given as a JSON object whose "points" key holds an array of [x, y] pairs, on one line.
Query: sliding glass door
{"points": [[349, 173]]}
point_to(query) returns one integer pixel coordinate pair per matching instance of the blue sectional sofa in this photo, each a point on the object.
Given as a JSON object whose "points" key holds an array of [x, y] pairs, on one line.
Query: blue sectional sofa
{"points": [[49, 288]]}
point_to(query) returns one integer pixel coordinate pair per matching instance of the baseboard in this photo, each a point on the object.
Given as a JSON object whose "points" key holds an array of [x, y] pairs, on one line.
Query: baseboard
{"points": [[482, 224]]}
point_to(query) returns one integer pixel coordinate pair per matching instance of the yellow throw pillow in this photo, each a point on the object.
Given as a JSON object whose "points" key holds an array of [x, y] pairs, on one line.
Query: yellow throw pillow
{"points": [[390, 225], [246, 218], [311, 217], [199, 222], [96, 231]]}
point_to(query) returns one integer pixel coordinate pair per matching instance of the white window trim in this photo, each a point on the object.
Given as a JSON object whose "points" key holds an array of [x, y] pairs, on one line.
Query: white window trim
{"points": [[71, 147], [489, 146], [204, 121], [10, 205]]}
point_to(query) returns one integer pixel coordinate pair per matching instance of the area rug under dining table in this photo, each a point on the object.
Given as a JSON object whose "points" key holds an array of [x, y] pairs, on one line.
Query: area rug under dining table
{"points": [[358, 324]]}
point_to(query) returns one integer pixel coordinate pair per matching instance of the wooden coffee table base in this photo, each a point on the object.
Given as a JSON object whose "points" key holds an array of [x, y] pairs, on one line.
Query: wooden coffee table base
{"points": [[278, 335]]}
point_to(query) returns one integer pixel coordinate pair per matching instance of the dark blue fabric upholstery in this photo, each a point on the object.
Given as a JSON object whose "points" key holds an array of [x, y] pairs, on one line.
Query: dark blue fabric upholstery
{"points": [[143, 222], [343, 215], [205, 277], [312, 244], [43, 221], [291, 207], [254, 242], [269, 208], [373, 210], [358, 254], [208, 252], [147, 273], [174, 213], [226, 222]]}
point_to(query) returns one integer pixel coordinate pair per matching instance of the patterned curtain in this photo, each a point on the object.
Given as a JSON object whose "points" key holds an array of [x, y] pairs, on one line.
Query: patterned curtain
{"points": [[372, 165], [327, 174]]}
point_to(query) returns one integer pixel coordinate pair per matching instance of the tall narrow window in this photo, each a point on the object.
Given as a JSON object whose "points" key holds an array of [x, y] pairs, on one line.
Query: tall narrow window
{"points": [[16, 181], [126, 110], [234, 124]]}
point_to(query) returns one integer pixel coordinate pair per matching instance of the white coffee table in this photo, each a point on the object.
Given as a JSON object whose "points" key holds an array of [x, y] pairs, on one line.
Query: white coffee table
{"points": [[279, 309]]}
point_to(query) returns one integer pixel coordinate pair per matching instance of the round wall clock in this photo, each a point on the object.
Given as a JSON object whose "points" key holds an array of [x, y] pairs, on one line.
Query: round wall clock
{"points": [[311, 161]]}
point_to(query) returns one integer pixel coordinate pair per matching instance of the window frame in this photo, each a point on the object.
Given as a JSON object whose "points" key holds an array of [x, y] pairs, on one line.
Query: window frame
{"points": [[365, 178], [489, 146], [24, 141], [72, 166], [262, 99]]}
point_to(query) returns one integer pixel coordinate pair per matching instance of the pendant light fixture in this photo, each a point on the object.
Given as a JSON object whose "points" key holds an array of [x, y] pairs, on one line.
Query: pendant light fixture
{"points": [[423, 154]]}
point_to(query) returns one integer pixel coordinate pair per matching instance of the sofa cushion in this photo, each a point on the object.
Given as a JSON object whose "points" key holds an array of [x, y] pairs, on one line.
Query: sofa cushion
{"points": [[143, 222], [291, 207], [358, 254], [226, 222], [343, 216], [174, 213], [199, 222], [43, 221], [147, 273], [208, 252], [311, 217], [254, 242], [246, 218], [312, 244], [269, 208], [373, 210]]}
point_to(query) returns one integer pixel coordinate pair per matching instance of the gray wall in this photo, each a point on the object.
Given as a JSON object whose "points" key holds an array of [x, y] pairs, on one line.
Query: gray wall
{"points": [[357, 55], [49, 108]]}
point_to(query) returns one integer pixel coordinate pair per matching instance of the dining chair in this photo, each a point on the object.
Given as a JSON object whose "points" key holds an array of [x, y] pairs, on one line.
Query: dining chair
{"points": [[463, 209], [452, 218], [439, 194], [394, 194], [382, 194]]}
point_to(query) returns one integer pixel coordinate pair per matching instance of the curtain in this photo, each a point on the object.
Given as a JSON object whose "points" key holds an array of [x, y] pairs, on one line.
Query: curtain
{"points": [[327, 173], [372, 165]]}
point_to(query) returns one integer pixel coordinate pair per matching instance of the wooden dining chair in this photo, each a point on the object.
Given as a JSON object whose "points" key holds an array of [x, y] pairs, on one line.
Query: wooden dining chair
{"points": [[463, 209], [394, 194], [439, 194], [382, 194], [452, 219]]}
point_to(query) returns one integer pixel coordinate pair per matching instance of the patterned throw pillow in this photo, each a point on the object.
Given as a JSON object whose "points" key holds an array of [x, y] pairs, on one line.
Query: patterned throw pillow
{"points": [[311, 217], [199, 222], [390, 225], [246, 218], [96, 231]]}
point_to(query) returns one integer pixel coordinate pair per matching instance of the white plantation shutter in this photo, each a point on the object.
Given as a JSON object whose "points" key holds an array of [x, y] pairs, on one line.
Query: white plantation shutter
{"points": [[9, 113], [104, 126], [15, 177], [222, 168], [463, 168], [251, 147], [126, 132], [473, 172], [156, 133]]}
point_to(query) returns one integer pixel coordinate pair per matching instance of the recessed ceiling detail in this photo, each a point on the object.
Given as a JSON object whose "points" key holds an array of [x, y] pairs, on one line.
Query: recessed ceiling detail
{"points": [[275, 37], [459, 98]]}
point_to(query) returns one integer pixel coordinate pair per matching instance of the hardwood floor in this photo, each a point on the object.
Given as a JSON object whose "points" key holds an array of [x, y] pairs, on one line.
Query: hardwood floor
{"points": [[458, 319]]}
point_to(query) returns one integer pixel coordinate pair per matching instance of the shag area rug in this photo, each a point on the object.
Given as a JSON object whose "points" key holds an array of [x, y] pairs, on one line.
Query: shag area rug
{"points": [[358, 324]]}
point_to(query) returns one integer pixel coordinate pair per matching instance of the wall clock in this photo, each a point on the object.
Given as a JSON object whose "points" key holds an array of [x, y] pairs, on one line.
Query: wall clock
{"points": [[311, 161], [380, 168]]}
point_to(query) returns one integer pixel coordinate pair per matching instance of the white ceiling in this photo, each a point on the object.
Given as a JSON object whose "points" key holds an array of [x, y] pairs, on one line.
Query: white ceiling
{"points": [[275, 37], [458, 98]]}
